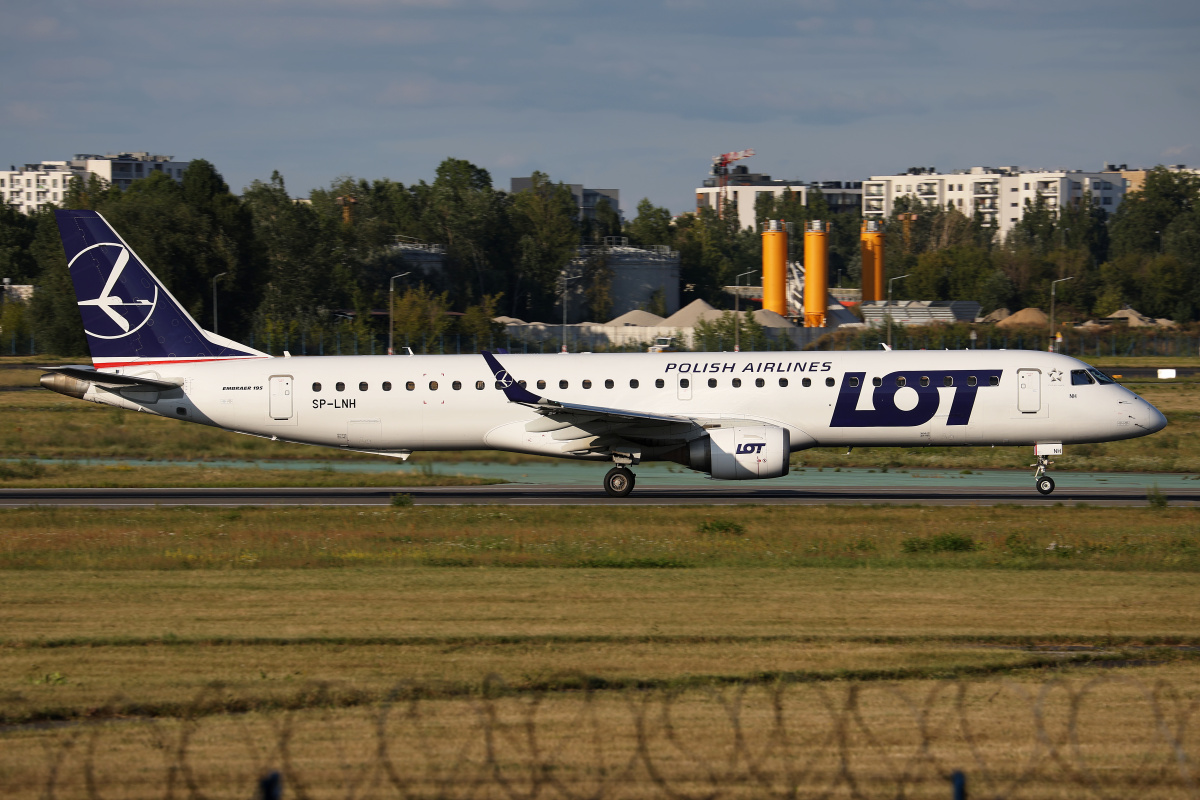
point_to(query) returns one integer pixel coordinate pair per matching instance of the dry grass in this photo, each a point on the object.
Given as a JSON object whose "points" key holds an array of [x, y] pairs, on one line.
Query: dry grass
{"points": [[1053, 537], [1076, 736]]}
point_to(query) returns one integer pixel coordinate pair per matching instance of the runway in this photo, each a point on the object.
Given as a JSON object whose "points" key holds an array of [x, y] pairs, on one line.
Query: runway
{"points": [[526, 495]]}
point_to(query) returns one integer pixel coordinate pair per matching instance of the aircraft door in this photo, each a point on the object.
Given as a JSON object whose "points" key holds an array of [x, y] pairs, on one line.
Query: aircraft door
{"points": [[1029, 391], [685, 388], [281, 397]]}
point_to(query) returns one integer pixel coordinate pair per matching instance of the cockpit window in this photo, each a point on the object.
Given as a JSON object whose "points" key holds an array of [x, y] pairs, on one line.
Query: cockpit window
{"points": [[1099, 376], [1080, 377]]}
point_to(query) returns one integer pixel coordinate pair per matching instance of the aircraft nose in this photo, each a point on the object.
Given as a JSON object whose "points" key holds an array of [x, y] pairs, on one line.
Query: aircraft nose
{"points": [[1155, 421]]}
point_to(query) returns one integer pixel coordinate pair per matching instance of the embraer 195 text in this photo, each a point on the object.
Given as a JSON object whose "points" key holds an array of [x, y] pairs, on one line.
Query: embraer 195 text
{"points": [[734, 416]]}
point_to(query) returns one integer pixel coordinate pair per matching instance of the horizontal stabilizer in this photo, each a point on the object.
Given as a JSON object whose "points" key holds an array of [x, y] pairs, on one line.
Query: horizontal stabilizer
{"points": [[110, 380]]}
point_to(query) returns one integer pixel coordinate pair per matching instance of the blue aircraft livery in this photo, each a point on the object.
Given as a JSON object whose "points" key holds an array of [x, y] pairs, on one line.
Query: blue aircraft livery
{"points": [[126, 312], [963, 383]]}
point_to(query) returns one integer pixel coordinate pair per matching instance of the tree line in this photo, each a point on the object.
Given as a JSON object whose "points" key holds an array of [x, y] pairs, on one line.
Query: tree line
{"points": [[282, 264]]}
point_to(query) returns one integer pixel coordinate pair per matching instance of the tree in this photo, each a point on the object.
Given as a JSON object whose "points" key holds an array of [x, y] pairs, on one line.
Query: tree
{"points": [[651, 226], [1144, 216], [543, 217]]}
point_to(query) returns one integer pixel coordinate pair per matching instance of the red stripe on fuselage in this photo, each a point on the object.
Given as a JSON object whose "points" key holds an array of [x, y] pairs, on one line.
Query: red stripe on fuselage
{"points": [[138, 363]]}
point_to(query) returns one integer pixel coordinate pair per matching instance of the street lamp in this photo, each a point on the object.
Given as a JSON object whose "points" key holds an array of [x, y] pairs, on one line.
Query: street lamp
{"points": [[1053, 286], [887, 309], [392, 309], [737, 312], [215, 278], [566, 281]]}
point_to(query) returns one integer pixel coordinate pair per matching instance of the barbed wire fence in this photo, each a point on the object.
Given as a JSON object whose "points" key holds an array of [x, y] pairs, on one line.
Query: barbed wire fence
{"points": [[1109, 737]]}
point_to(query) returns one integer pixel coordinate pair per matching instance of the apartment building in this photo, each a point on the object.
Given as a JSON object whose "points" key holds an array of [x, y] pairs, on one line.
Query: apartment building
{"points": [[35, 186], [744, 189], [995, 194]]}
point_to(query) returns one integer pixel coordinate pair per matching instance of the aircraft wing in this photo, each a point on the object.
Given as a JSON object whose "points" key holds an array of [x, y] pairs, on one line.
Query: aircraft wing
{"points": [[110, 380], [583, 428]]}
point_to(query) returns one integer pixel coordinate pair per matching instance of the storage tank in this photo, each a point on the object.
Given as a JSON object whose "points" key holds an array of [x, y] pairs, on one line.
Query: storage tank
{"points": [[872, 260], [774, 266], [816, 273]]}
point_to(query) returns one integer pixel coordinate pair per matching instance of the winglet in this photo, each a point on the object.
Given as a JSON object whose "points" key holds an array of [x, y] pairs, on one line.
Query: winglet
{"points": [[514, 391]]}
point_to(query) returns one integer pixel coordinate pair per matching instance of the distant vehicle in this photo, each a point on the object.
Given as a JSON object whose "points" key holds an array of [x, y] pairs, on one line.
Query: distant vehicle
{"points": [[734, 416], [663, 344]]}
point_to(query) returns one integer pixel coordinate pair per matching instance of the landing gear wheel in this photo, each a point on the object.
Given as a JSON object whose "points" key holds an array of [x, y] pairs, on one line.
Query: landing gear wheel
{"points": [[619, 482], [1045, 484]]}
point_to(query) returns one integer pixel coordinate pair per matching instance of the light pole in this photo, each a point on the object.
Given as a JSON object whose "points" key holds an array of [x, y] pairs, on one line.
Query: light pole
{"points": [[1053, 286], [215, 279], [737, 312], [888, 308], [566, 281], [392, 309]]}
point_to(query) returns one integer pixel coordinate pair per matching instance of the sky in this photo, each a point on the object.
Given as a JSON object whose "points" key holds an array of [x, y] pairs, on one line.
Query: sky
{"points": [[637, 96]]}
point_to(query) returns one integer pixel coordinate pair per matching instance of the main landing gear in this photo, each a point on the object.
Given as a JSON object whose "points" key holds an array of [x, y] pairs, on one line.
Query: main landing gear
{"points": [[619, 481], [1043, 482]]}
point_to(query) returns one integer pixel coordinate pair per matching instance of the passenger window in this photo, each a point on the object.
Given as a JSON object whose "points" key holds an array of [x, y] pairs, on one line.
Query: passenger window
{"points": [[362, 387], [341, 387], [521, 384], [760, 382], [587, 384], [478, 384], [924, 380], [737, 383], [633, 383], [900, 381], [994, 380], [562, 384], [684, 383], [877, 381], [499, 385], [608, 383], [456, 385], [386, 386], [712, 383], [783, 381], [830, 381], [1080, 377], [853, 383], [806, 382], [316, 387], [541, 384], [658, 383], [948, 380], [410, 386], [971, 381], [433, 386]]}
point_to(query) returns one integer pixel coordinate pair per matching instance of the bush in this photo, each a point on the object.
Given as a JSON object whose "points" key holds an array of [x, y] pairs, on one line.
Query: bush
{"points": [[1155, 497], [402, 500], [942, 543], [22, 470], [721, 526]]}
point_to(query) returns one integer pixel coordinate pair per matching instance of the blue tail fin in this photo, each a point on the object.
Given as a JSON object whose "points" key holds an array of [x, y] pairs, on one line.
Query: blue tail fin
{"points": [[128, 316]]}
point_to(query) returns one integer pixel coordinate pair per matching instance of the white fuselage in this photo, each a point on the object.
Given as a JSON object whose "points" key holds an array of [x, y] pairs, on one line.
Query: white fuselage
{"points": [[396, 404]]}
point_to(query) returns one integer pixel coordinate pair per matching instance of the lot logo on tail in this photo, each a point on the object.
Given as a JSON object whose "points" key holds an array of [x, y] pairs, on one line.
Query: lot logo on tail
{"points": [[110, 315]]}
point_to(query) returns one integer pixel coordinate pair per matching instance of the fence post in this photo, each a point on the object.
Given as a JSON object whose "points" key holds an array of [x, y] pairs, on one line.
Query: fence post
{"points": [[958, 783], [270, 787]]}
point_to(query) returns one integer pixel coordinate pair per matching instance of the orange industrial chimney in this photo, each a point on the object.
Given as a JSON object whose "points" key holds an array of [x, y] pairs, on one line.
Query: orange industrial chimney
{"points": [[872, 260], [816, 274], [774, 266]]}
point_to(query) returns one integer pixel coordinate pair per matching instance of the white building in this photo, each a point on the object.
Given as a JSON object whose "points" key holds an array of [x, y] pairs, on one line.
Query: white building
{"points": [[998, 195], [36, 185], [745, 188]]}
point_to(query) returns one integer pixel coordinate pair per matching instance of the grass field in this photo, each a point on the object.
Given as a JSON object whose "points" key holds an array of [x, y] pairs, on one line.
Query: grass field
{"points": [[681, 652]]}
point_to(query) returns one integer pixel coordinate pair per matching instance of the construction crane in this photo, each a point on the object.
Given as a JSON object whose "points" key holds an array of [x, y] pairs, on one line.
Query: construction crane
{"points": [[721, 171]]}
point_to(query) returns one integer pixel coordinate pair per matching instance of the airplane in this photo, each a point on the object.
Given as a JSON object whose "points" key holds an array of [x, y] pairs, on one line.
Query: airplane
{"points": [[733, 416]]}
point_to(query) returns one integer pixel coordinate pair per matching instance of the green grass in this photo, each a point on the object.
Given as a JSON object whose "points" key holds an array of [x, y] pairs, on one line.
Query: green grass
{"points": [[865, 537]]}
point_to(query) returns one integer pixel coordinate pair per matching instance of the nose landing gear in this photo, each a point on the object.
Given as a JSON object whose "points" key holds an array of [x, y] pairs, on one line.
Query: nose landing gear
{"points": [[619, 481], [1043, 482]]}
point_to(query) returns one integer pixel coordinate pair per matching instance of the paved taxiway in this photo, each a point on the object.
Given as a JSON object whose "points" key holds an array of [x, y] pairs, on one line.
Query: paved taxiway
{"points": [[524, 495]]}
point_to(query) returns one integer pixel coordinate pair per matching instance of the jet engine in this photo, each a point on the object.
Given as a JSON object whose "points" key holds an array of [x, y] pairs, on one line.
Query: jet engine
{"points": [[741, 453]]}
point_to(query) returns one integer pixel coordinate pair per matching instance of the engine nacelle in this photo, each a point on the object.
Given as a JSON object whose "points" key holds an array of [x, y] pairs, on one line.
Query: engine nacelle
{"points": [[742, 453]]}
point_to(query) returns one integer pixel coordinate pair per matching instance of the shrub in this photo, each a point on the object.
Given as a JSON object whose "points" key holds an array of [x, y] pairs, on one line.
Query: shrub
{"points": [[721, 526], [1155, 497], [402, 500], [941, 543]]}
